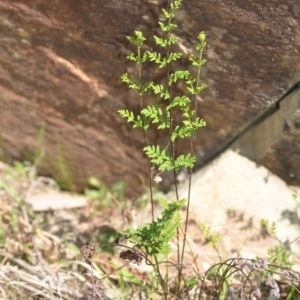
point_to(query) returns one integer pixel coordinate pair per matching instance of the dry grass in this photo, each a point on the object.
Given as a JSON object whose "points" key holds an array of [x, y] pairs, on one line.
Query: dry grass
{"points": [[40, 257], [35, 263], [39, 252]]}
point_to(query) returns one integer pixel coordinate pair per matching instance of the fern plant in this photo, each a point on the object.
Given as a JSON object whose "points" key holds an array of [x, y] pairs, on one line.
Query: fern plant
{"points": [[161, 231], [154, 238], [152, 241]]}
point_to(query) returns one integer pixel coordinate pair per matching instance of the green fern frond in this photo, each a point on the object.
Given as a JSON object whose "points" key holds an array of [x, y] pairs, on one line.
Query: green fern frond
{"points": [[182, 102], [155, 57], [161, 158], [186, 161], [138, 39], [130, 81], [175, 5], [168, 27], [172, 40], [131, 118], [153, 112], [168, 15], [154, 237], [180, 74], [145, 87], [166, 121], [159, 89], [160, 41]]}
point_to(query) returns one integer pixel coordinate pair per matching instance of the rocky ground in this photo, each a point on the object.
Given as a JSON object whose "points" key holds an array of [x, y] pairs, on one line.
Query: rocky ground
{"points": [[42, 230]]}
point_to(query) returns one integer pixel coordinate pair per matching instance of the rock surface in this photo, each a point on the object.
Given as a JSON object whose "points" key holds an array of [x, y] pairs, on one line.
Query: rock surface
{"points": [[272, 140], [61, 61], [233, 194]]}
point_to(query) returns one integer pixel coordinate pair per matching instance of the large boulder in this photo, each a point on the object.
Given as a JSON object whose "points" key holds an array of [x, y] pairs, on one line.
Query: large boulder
{"points": [[61, 61]]}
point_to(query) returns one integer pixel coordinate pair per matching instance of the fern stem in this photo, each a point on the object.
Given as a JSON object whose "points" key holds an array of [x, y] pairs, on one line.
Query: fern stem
{"points": [[187, 216], [173, 152], [163, 284], [198, 83], [144, 135]]}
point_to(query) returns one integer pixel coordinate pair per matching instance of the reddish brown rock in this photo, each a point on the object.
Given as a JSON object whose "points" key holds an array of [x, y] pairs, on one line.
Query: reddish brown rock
{"points": [[61, 61]]}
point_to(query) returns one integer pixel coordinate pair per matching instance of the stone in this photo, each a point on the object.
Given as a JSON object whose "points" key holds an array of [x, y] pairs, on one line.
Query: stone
{"points": [[232, 195], [61, 62], [55, 200], [272, 139]]}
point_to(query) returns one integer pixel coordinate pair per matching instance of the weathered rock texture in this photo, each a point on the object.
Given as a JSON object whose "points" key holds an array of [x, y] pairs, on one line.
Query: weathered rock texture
{"points": [[273, 137], [61, 61]]}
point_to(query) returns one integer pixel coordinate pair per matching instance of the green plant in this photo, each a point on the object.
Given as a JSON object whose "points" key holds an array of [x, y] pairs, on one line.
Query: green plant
{"points": [[154, 238], [295, 197], [102, 196], [206, 231], [60, 166], [20, 171], [177, 116]]}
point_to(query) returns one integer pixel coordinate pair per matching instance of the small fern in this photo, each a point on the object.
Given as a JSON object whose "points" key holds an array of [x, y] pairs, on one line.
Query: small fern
{"points": [[154, 237]]}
